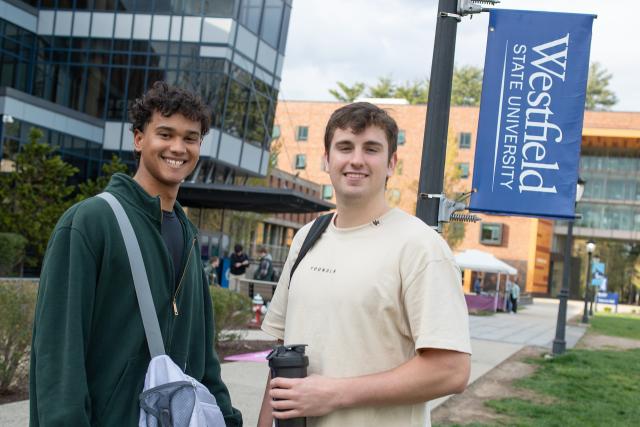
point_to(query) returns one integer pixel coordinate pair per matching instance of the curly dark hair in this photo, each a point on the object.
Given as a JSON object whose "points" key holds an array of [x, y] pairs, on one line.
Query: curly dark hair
{"points": [[168, 100], [358, 117]]}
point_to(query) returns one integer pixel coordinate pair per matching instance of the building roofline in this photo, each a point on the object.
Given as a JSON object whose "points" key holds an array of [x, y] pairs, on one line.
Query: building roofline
{"points": [[317, 101]]}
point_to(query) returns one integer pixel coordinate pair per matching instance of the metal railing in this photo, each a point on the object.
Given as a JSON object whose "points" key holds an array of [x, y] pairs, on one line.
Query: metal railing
{"points": [[251, 287]]}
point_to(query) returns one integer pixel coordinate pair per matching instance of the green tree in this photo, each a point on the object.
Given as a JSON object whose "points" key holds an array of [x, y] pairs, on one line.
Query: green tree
{"points": [[91, 187], [416, 92], [621, 259], [635, 280], [11, 253], [346, 93], [35, 194], [274, 152], [599, 96], [453, 232], [466, 86], [385, 88]]}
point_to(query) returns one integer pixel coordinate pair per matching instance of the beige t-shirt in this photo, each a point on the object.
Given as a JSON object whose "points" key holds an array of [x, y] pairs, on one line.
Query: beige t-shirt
{"points": [[365, 299]]}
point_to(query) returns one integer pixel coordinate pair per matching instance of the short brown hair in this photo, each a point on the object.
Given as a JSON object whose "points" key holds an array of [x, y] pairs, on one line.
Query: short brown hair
{"points": [[358, 117]]}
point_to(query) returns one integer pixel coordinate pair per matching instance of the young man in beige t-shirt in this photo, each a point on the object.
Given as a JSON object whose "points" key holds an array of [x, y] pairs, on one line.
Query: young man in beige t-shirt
{"points": [[378, 299]]}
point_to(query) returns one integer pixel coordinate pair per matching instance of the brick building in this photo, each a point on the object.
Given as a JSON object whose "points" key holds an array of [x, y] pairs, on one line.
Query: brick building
{"points": [[609, 138]]}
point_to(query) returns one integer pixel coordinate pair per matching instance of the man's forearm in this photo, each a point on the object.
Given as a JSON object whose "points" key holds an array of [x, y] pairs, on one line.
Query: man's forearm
{"points": [[429, 375]]}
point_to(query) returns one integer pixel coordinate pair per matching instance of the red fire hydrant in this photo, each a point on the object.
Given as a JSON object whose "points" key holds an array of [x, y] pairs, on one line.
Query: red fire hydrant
{"points": [[258, 308]]}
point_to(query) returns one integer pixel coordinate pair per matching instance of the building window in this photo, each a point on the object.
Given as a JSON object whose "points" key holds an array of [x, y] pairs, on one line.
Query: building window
{"points": [[327, 192], [250, 13], [402, 138], [218, 8], [276, 132], [491, 234], [464, 140], [302, 133], [301, 161], [271, 21], [464, 170]]}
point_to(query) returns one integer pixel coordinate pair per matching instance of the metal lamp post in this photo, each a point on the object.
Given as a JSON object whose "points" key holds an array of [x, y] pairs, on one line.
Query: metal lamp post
{"points": [[559, 343], [591, 246]]}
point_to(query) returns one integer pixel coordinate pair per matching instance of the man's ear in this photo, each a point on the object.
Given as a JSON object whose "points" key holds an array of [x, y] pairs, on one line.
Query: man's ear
{"points": [[392, 164], [138, 138], [325, 159]]}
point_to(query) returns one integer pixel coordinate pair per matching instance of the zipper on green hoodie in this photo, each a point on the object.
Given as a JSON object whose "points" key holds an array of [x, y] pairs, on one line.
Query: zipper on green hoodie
{"points": [[175, 295]]}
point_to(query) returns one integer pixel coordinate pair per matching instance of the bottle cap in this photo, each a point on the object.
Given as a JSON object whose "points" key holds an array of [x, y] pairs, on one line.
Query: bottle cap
{"points": [[288, 356]]}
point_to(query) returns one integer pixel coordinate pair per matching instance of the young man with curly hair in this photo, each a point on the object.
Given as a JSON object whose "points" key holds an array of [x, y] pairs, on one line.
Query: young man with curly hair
{"points": [[377, 299], [89, 354]]}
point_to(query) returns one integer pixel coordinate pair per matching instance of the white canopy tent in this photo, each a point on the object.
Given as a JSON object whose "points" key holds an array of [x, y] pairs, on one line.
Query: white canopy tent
{"points": [[475, 260]]}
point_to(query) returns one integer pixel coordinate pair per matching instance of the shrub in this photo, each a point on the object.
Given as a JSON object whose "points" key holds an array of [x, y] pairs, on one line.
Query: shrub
{"points": [[231, 312], [12, 247], [17, 305]]}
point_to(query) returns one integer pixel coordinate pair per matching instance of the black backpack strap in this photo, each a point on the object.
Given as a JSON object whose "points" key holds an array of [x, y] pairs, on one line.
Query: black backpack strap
{"points": [[317, 228]]}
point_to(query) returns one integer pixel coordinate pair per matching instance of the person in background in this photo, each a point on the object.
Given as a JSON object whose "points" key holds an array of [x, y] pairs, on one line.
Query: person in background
{"points": [[239, 264], [507, 295], [265, 270], [515, 296], [477, 285], [211, 270]]}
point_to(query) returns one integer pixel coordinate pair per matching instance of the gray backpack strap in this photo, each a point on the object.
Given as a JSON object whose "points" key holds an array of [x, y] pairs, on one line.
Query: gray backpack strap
{"points": [[143, 292]]}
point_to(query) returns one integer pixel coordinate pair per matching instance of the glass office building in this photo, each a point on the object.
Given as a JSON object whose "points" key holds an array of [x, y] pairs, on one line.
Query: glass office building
{"points": [[71, 67], [612, 195]]}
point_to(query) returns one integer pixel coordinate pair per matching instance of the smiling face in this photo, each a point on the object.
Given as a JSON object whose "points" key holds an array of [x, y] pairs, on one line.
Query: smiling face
{"points": [[169, 149], [359, 164]]}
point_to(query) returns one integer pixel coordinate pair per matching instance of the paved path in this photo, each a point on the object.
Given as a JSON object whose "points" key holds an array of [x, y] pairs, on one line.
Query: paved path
{"points": [[494, 339]]}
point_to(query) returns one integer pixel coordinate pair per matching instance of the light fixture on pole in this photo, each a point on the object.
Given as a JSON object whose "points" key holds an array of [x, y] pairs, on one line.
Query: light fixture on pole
{"points": [[591, 247], [559, 343]]}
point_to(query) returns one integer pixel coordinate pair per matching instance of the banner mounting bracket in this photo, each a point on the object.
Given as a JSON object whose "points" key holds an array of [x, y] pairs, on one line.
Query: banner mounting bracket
{"points": [[451, 15], [469, 7]]}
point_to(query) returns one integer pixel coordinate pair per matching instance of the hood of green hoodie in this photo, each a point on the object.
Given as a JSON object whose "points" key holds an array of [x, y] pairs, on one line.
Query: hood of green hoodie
{"points": [[130, 192]]}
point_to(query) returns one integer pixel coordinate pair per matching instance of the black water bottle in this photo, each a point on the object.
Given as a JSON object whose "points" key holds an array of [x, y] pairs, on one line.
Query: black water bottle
{"points": [[289, 361]]}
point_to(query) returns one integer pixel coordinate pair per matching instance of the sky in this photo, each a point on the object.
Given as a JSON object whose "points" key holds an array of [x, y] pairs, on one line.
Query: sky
{"points": [[361, 40]]}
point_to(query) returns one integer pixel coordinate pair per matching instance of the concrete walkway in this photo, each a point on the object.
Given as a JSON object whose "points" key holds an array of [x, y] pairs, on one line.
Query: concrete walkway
{"points": [[494, 339]]}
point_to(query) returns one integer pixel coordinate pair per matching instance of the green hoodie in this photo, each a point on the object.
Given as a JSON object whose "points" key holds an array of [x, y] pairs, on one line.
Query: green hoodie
{"points": [[89, 354]]}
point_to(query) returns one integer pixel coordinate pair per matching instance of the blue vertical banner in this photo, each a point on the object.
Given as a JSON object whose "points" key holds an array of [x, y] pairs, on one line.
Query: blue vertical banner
{"points": [[531, 113], [597, 273]]}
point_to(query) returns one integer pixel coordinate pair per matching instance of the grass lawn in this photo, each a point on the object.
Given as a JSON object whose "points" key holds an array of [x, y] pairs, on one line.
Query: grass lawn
{"points": [[617, 325], [582, 387]]}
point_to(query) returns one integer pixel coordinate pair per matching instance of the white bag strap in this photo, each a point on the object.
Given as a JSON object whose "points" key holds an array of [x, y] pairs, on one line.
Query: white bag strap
{"points": [[143, 292]]}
